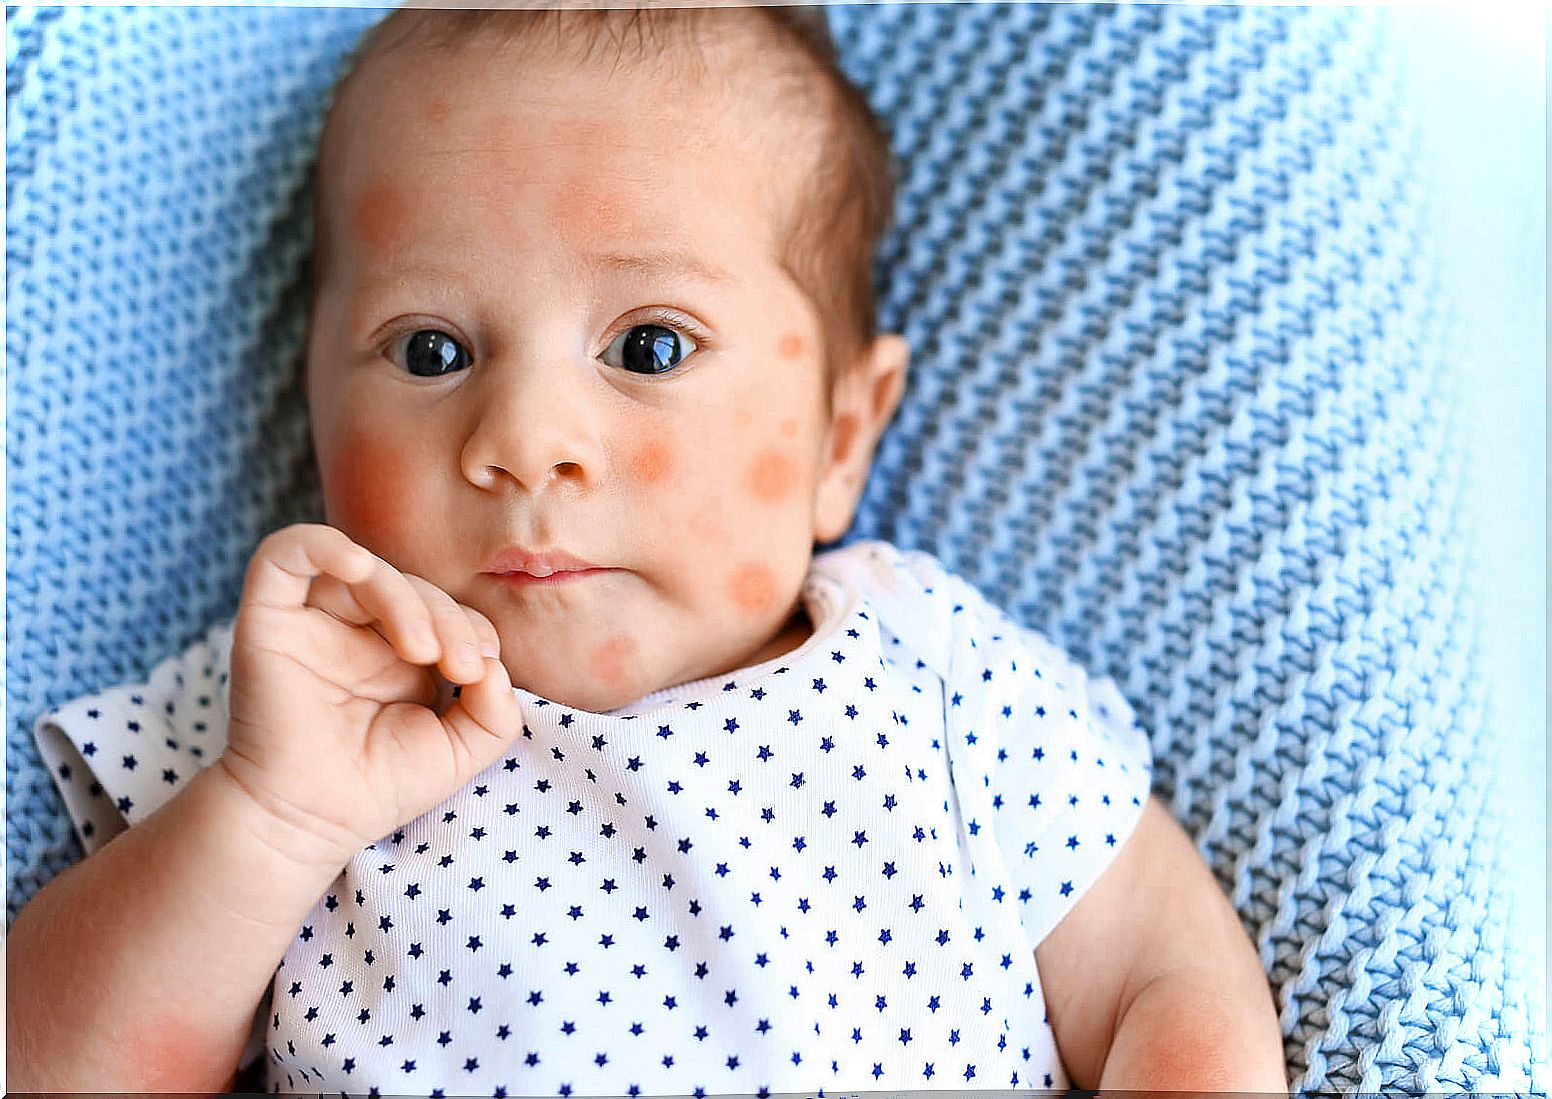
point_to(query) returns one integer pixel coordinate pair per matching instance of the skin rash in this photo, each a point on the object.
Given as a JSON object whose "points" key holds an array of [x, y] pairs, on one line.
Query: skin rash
{"points": [[701, 492]]}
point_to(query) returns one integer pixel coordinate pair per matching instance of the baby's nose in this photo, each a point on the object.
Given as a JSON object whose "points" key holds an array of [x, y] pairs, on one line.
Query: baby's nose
{"points": [[538, 425]]}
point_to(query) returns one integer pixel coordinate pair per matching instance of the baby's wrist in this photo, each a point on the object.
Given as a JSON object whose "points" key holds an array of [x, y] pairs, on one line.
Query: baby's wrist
{"points": [[288, 843]]}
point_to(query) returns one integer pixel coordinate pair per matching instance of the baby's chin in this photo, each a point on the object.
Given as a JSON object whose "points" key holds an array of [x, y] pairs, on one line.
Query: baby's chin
{"points": [[589, 697], [616, 684]]}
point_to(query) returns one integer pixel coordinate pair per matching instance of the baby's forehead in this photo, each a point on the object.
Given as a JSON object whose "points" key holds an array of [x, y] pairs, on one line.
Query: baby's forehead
{"points": [[712, 63]]}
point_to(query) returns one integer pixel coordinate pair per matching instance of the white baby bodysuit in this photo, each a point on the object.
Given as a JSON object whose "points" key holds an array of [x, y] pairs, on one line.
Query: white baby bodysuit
{"points": [[825, 873]]}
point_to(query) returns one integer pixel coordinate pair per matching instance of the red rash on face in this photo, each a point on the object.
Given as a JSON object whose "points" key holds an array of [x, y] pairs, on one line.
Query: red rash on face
{"points": [[772, 476], [651, 462], [704, 526], [364, 486], [583, 210], [753, 587], [611, 659], [790, 346], [438, 109], [380, 215]]}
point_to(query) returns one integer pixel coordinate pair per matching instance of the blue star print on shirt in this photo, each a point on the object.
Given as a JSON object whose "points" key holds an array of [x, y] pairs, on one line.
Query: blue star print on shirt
{"points": [[826, 872]]}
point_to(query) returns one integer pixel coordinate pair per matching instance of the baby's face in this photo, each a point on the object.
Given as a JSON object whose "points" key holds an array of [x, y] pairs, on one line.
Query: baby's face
{"points": [[554, 318]]}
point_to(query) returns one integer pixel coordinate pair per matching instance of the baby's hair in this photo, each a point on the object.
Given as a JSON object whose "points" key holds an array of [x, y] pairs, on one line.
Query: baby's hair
{"points": [[827, 238]]}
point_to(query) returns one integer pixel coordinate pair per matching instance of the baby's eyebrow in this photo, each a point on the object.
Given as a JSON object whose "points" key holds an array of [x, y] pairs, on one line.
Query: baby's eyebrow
{"points": [[661, 262]]}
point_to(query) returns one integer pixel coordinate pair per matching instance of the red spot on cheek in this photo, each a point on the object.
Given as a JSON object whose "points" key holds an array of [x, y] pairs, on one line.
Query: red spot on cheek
{"points": [[704, 527], [790, 346], [380, 215], [363, 489], [652, 462], [752, 587], [611, 660], [772, 476]]}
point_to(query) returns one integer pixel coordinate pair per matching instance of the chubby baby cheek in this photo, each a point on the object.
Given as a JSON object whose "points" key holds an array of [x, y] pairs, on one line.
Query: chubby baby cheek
{"points": [[751, 587], [650, 461], [771, 476], [364, 483]]}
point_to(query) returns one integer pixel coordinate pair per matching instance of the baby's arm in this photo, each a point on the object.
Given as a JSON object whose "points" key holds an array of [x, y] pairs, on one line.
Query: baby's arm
{"points": [[1151, 982], [140, 967]]}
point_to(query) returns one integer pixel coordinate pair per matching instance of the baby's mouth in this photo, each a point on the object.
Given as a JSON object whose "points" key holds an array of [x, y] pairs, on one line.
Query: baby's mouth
{"points": [[561, 576]]}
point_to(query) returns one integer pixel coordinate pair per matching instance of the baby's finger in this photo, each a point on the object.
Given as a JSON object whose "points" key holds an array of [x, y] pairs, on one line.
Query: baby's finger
{"points": [[285, 564], [461, 661], [485, 630], [288, 562], [485, 718]]}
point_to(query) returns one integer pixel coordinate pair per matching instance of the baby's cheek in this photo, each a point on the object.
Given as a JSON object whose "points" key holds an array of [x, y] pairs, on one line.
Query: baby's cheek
{"points": [[651, 462], [364, 487], [771, 476], [752, 587]]}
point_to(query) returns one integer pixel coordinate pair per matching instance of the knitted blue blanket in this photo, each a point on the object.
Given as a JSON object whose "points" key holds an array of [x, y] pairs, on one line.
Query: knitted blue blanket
{"points": [[1180, 399]]}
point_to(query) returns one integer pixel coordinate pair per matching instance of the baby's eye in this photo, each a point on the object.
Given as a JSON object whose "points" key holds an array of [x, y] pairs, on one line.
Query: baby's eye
{"points": [[649, 349], [429, 353]]}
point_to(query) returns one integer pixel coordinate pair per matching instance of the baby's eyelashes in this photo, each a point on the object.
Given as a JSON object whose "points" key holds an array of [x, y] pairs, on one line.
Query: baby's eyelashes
{"points": [[430, 353], [649, 349]]}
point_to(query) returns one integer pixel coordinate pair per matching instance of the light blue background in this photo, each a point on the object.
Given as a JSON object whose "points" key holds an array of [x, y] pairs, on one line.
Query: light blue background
{"points": [[1480, 73]]}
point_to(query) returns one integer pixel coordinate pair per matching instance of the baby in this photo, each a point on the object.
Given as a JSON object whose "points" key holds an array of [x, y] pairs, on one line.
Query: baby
{"points": [[558, 762]]}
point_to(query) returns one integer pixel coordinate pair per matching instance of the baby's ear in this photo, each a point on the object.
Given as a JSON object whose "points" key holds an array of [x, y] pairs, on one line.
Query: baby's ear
{"points": [[864, 402], [884, 375]]}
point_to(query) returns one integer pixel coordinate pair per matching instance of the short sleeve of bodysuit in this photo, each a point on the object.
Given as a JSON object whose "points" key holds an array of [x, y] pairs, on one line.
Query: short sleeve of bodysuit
{"points": [[1053, 758], [120, 754]]}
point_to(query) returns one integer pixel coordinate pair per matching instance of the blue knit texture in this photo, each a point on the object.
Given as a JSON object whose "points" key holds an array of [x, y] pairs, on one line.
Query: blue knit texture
{"points": [[1181, 398]]}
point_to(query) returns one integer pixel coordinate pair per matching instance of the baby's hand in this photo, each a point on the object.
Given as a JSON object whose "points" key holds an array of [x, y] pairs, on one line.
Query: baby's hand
{"points": [[333, 729]]}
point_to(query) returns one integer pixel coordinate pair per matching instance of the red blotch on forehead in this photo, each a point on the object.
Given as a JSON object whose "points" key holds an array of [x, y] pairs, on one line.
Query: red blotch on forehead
{"points": [[380, 215], [363, 485], [772, 476], [611, 661], [585, 210], [651, 462], [790, 346], [752, 587]]}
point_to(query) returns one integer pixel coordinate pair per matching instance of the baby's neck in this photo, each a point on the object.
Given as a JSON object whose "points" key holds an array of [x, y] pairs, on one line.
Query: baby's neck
{"points": [[797, 630]]}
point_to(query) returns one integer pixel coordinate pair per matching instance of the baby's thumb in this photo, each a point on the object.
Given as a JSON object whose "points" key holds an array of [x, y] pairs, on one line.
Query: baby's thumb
{"points": [[485, 717]]}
